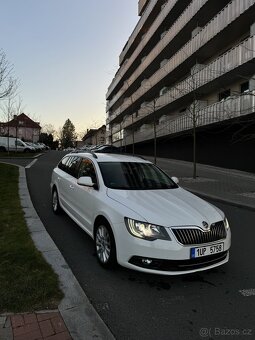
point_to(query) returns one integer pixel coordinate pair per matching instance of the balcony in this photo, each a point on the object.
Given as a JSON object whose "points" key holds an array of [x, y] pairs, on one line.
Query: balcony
{"points": [[237, 56], [186, 16], [141, 5], [217, 24], [220, 111], [137, 29]]}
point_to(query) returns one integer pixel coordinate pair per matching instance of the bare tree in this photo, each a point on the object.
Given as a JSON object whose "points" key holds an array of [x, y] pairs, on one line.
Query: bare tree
{"points": [[49, 129], [7, 82], [8, 113]]}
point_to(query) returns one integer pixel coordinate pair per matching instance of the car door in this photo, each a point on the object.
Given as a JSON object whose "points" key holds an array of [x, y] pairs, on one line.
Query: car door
{"points": [[87, 198], [67, 181]]}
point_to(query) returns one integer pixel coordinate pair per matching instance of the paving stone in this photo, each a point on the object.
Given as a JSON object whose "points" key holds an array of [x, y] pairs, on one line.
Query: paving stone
{"points": [[60, 336], [25, 329], [34, 335], [46, 328], [46, 316], [30, 318], [58, 324], [17, 321]]}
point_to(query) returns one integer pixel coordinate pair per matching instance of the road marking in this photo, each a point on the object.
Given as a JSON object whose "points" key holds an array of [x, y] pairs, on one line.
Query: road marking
{"points": [[31, 164], [247, 292]]}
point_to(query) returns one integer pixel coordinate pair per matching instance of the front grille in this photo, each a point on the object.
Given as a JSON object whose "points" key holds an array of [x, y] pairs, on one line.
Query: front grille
{"points": [[188, 236]]}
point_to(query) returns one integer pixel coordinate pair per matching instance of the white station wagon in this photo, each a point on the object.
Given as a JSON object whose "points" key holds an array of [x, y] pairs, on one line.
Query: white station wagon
{"points": [[138, 216]]}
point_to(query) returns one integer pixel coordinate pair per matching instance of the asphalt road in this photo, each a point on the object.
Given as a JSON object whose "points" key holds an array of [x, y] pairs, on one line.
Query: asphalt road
{"points": [[218, 304]]}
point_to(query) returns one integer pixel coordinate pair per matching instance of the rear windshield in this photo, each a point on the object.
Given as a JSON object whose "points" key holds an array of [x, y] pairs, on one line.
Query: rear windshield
{"points": [[134, 176]]}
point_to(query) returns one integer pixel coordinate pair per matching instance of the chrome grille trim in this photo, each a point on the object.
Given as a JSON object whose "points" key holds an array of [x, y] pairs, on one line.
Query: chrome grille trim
{"points": [[187, 236]]}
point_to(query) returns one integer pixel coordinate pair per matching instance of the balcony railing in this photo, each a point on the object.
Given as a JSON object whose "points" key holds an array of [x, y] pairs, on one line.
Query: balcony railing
{"points": [[233, 10], [131, 39], [220, 111], [183, 19], [137, 29], [237, 56]]}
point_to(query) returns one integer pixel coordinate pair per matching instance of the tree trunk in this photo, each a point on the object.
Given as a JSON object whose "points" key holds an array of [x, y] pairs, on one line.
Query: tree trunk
{"points": [[155, 141], [194, 149], [133, 136]]}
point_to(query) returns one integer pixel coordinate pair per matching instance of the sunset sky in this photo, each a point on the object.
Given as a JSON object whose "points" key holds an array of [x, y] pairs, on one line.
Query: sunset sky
{"points": [[65, 54]]}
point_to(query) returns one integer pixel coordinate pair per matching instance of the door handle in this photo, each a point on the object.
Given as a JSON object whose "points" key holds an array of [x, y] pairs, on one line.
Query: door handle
{"points": [[71, 187]]}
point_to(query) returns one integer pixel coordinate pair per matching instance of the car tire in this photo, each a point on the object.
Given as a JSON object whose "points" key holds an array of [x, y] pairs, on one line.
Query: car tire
{"points": [[55, 202], [105, 246]]}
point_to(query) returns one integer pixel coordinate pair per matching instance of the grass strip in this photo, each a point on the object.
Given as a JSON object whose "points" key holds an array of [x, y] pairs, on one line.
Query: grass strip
{"points": [[27, 281]]}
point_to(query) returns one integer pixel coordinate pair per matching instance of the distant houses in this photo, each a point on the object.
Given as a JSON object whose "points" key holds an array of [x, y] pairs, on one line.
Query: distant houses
{"points": [[23, 127], [95, 136]]}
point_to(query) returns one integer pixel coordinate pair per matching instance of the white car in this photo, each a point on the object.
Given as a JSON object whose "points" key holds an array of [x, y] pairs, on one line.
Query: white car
{"points": [[138, 216]]}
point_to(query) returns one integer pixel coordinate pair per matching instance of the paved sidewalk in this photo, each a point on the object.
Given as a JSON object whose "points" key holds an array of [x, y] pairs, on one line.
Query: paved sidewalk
{"points": [[225, 185], [33, 326]]}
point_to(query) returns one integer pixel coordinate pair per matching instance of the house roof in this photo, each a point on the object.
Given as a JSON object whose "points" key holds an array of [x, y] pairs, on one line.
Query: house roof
{"points": [[23, 120]]}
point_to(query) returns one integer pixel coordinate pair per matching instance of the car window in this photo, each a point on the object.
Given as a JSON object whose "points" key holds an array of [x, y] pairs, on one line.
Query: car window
{"points": [[62, 163], [70, 164], [87, 168], [134, 176]]}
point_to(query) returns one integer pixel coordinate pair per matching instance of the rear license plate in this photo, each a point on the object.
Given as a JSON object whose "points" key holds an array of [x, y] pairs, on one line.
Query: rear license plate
{"points": [[206, 250]]}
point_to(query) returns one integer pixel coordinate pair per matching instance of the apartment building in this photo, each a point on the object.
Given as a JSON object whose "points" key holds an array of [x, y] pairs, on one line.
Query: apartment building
{"points": [[186, 63]]}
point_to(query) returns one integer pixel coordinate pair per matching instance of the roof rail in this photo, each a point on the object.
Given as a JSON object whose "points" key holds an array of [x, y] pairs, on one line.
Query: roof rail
{"points": [[84, 151]]}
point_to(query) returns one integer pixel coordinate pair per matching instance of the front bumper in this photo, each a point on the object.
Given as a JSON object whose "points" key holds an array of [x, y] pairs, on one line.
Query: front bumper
{"points": [[165, 257]]}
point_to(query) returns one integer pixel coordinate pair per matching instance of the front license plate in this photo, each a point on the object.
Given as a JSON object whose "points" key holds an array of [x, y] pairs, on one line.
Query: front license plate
{"points": [[206, 250]]}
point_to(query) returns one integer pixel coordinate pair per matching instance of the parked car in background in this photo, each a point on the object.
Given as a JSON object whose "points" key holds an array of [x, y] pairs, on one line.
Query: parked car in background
{"points": [[138, 216], [31, 145], [14, 144], [106, 148]]}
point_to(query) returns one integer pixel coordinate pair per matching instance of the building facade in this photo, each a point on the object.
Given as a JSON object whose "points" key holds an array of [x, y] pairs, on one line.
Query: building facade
{"points": [[23, 127], [187, 63], [95, 136]]}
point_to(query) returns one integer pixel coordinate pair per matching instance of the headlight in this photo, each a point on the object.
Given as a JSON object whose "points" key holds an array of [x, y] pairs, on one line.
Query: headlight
{"points": [[226, 224], [145, 230]]}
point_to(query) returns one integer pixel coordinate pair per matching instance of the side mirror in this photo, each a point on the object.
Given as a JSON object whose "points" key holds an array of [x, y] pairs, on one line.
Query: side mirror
{"points": [[175, 179], [85, 181]]}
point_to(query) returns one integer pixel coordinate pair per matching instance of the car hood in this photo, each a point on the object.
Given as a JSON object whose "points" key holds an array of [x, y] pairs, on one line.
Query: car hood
{"points": [[173, 207]]}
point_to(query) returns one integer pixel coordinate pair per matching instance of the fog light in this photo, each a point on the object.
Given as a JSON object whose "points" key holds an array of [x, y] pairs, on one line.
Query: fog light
{"points": [[146, 261]]}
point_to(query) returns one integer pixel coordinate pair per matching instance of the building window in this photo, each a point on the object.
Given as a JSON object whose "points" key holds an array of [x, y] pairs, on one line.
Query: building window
{"points": [[224, 95], [244, 87]]}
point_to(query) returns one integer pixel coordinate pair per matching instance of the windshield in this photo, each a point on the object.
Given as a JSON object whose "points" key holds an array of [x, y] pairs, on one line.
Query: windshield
{"points": [[134, 176]]}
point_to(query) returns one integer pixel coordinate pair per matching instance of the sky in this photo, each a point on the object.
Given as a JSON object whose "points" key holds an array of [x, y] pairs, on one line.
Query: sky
{"points": [[65, 54]]}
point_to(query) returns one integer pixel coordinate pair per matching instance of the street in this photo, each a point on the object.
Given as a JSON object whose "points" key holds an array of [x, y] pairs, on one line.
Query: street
{"points": [[134, 305]]}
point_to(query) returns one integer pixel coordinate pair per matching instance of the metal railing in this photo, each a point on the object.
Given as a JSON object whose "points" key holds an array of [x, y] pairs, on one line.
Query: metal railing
{"points": [[218, 23], [233, 107], [238, 55], [182, 20]]}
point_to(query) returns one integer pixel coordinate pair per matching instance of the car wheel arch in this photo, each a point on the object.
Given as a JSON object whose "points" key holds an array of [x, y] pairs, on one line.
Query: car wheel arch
{"points": [[100, 219]]}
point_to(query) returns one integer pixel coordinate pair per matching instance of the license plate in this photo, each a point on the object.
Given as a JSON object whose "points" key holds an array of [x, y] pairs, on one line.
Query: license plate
{"points": [[206, 250]]}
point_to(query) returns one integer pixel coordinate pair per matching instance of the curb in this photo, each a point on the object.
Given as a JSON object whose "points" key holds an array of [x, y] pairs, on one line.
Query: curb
{"points": [[80, 317]]}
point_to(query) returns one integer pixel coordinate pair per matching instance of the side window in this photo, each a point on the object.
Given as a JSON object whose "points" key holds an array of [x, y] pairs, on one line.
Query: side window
{"points": [[87, 169], [18, 143], [62, 164], [72, 166]]}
